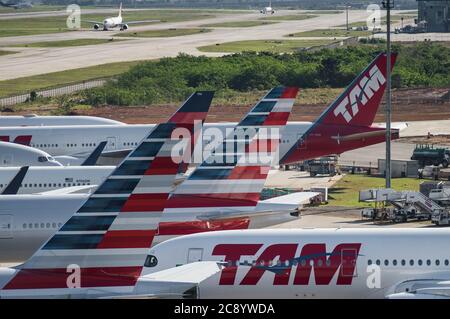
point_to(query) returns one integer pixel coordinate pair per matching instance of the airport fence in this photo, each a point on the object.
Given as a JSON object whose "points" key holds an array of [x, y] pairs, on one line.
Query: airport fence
{"points": [[17, 99]]}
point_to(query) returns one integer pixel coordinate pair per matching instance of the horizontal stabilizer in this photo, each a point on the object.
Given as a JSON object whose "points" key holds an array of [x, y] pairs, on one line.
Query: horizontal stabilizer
{"points": [[82, 189], [363, 135], [177, 281]]}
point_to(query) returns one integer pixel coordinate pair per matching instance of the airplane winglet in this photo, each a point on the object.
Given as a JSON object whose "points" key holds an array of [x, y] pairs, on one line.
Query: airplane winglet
{"points": [[14, 186], [92, 159]]}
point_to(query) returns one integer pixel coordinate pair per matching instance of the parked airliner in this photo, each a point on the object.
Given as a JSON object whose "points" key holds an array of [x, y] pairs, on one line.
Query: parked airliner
{"points": [[302, 263], [345, 125]]}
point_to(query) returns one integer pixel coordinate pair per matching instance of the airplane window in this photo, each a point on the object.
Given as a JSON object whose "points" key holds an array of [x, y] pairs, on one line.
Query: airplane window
{"points": [[24, 225], [403, 262], [446, 262], [378, 262], [150, 261], [437, 262], [419, 262], [303, 263], [48, 225], [411, 262], [394, 262], [45, 185], [386, 262], [42, 225], [40, 185], [59, 225], [59, 184], [30, 225], [428, 262], [36, 225], [320, 263], [369, 262]]}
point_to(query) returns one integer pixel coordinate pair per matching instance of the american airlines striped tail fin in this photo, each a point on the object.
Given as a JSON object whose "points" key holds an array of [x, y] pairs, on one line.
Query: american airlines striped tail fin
{"points": [[235, 173], [105, 243]]}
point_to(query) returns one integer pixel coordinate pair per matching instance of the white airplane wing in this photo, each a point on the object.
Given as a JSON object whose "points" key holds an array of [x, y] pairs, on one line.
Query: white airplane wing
{"points": [[175, 282], [277, 205], [421, 289], [84, 189]]}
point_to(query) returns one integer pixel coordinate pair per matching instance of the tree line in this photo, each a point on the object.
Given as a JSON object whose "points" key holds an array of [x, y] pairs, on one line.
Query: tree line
{"points": [[173, 79]]}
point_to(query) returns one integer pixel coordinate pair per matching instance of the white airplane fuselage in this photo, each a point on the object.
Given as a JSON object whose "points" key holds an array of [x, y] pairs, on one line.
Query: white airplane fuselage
{"points": [[112, 22], [43, 179], [314, 263], [80, 141], [35, 120]]}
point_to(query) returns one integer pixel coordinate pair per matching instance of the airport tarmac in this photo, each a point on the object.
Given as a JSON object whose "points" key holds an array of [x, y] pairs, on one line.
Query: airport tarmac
{"points": [[45, 60], [344, 219]]}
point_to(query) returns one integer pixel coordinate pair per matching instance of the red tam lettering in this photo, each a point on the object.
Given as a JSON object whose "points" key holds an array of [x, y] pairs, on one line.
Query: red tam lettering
{"points": [[343, 256], [284, 252], [232, 253]]}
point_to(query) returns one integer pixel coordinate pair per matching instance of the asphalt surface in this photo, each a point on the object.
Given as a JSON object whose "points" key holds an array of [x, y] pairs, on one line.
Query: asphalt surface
{"points": [[33, 61]]}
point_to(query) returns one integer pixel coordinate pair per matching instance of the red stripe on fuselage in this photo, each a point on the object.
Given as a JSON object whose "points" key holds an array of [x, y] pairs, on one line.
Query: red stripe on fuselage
{"points": [[249, 172], [277, 118], [127, 239], [289, 93], [193, 227], [212, 200], [187, 117], [89, 277], [145, 203]]}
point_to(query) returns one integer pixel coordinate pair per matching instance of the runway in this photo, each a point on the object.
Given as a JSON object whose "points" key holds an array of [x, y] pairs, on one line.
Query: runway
{"points": [[45, 60]]}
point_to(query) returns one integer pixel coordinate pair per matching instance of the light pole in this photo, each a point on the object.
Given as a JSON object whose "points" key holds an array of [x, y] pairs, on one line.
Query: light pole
{"points": [[388, 5], [346, 14]]}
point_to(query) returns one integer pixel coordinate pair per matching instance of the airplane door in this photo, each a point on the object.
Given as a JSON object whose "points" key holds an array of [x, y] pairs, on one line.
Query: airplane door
{"points": [[111, 143], [6, 226], [6, 160], [194, 254], [348, 262]]}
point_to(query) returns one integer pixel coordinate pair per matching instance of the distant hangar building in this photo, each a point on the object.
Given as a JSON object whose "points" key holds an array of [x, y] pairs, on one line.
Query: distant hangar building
{"points": [[435, 15]]}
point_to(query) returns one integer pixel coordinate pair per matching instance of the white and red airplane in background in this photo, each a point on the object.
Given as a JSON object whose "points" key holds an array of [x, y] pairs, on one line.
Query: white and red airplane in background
{"points": [[302, 263], [345, 125]]}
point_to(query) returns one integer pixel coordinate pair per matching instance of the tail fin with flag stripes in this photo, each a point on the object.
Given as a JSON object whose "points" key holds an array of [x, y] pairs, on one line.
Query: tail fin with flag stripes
{"points": [[233, 176], [105, 243]]}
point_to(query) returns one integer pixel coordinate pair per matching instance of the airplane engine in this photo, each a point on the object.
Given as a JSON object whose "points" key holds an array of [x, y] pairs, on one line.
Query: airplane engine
{"points": [[124, 27], [96, 26]]}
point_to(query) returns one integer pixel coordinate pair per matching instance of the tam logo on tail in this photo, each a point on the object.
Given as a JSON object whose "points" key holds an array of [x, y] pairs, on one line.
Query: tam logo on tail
{"points": [[361, 92]]}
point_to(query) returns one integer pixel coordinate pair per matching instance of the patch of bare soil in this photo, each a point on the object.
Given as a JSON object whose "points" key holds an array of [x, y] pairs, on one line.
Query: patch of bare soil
{"points": [[443, 140], [408, 105]]}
